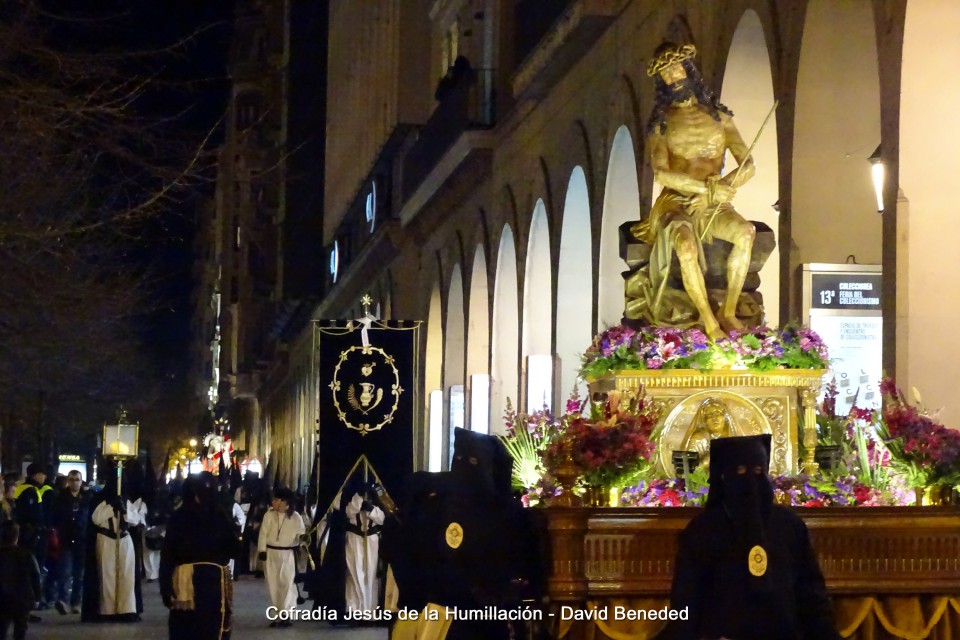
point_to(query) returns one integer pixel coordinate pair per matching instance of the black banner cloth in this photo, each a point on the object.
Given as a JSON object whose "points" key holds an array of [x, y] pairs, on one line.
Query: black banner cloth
{"points": [[367, 400]]}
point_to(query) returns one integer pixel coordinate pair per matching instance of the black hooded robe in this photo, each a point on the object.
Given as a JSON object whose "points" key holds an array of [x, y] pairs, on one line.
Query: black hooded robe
{"points": [[465, 542], [205, 540], [712, 579]]}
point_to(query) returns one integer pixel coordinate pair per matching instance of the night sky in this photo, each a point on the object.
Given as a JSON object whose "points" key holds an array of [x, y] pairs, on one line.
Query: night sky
{"points": [[178, 48], [194, 83]]}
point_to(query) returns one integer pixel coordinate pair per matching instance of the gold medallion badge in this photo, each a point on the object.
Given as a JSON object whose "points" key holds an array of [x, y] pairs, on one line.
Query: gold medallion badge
{"points": [[454, 535], [757, 562]]}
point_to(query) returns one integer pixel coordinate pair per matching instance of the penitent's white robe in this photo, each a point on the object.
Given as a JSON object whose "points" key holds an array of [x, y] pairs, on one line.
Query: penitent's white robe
{"points": [[239, 519], [362, 553], [279, 537], [117, 595], [151, 561]]}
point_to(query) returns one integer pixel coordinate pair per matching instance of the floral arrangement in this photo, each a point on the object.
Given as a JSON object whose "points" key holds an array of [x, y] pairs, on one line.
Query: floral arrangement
{"points": [[762, 349], [825, 490], [886, 454], [613, 446], [528, 435], [833, 429], [922, 449], [797, 491], [668, 492]]}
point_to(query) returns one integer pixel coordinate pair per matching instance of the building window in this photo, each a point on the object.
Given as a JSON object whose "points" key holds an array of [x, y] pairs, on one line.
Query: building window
{"points": [[335, 261], [371, 214]]}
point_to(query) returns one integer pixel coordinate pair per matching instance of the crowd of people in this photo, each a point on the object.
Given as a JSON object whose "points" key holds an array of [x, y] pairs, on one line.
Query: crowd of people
{"points": [[744, 569], [85, 550]]}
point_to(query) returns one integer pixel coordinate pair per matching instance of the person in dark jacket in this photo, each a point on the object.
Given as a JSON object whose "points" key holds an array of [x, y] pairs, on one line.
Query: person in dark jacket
{"points": [[195, 581], [71, 513], [31, 515], [745, 568], [19, 582]]}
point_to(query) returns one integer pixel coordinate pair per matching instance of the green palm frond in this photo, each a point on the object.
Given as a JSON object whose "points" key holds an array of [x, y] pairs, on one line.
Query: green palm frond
{"points": [[527, 469]]}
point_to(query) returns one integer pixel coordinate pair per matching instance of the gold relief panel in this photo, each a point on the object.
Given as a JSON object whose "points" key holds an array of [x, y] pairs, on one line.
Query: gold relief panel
{"points": [[776, 399], [775, 409], [704, 416]]}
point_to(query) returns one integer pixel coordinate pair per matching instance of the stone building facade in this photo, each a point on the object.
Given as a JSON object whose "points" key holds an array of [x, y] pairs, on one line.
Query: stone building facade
{"points": [[497, 187]]}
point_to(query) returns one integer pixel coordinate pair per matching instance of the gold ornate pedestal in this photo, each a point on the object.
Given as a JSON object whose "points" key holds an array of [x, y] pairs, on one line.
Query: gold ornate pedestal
{"points": [[771, 402]]}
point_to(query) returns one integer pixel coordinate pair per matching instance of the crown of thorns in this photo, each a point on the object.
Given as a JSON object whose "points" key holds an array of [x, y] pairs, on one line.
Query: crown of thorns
{"points": [[670, 57]]}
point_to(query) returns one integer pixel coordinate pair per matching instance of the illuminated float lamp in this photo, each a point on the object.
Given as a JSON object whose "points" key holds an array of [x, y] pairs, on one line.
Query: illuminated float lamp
{"points": [[878, 171]]}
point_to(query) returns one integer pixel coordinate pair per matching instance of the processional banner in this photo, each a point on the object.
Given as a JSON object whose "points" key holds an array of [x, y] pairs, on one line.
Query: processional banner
{"points": [[368, 372]]}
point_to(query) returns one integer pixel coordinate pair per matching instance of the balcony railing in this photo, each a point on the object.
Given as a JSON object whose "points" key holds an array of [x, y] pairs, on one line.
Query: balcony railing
{"points": [[466, 102]]}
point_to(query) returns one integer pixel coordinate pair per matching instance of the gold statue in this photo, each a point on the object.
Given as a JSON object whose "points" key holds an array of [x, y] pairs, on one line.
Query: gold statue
{"points": [[688, 134], [711, 421]]}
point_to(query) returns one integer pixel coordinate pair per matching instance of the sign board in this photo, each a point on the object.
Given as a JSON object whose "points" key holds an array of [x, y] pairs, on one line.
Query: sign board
{"points": [[851, 290], [841, 302]]}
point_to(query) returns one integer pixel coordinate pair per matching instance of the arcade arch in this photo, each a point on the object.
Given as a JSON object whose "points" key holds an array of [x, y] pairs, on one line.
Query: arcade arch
{"points": [[453, 359], [926, 223], [574, 282], [621, 203], [836, 129], [504, 378], [748, 91], [538, 313], [478, 345], [433, 381]]}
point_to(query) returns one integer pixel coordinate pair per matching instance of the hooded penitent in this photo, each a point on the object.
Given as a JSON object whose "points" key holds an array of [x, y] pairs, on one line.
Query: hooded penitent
{"points": [[739, 485], [744, 567]]}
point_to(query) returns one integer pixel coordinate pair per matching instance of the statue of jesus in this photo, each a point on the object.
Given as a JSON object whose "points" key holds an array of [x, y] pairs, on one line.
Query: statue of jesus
{"points": [[688, 134]]}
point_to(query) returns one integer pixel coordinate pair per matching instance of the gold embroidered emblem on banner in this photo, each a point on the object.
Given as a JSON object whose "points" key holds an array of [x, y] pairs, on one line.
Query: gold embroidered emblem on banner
{"points": [[366, 388]]}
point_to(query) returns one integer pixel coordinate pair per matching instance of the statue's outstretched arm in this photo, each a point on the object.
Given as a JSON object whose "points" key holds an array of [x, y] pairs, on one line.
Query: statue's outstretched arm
{"points": [[739, 150]]}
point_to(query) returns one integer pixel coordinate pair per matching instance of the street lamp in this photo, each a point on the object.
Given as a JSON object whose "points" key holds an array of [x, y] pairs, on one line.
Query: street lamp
{"points": [[193, 442], [121, 442], [878, 171]]}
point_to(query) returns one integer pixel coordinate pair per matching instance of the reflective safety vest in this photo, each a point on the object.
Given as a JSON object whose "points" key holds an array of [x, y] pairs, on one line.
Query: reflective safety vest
{"points": [[26, 485]]}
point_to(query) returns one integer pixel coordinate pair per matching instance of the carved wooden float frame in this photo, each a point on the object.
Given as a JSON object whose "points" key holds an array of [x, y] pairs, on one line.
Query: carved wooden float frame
{"points": [[629, 552]]}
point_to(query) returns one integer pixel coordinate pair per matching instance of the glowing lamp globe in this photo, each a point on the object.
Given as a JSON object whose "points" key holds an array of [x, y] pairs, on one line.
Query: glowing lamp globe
{"points": [[120, 441]]}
